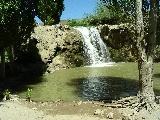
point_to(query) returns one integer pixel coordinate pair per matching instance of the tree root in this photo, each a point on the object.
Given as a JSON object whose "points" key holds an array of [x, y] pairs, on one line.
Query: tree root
{"points": [[141, 109]]}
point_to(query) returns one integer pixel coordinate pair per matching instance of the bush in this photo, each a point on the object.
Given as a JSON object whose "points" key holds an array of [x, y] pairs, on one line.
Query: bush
{"points": [[75, 22]]}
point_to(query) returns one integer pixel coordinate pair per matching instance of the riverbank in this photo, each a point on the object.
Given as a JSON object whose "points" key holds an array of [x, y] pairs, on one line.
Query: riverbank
{"points": [[17, 109], [22, 110]]}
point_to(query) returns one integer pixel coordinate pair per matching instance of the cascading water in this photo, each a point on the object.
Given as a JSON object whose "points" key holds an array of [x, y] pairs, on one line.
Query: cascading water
{"points": [[94, 47], [94, 88]]}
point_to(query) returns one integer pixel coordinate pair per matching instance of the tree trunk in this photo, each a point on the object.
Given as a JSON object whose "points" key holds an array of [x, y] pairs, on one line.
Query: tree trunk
{"points": [[2, 63], [146, 79], [146, 50], [11, 57]]}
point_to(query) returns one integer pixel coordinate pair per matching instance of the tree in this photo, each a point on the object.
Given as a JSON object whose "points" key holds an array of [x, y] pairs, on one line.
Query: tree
{"points": [[146, 50], [145, 45], [16, 24], [5, 28], [145, 37], [127, 7], [49, 11]]}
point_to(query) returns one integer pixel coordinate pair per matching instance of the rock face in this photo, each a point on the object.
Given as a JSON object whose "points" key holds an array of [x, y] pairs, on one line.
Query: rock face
{"points": [[115, 36], [121, 39], [59, 46]]}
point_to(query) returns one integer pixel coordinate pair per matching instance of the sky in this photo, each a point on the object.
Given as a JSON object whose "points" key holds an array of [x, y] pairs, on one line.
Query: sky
{"points": [[76, 9]]}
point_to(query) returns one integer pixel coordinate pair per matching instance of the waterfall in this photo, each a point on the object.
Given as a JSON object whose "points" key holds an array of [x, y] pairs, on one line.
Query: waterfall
{"points": [[94, 47]]}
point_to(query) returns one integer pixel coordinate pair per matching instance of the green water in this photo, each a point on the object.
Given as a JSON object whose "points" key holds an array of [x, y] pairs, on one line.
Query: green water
{"points": [[86, 83]]}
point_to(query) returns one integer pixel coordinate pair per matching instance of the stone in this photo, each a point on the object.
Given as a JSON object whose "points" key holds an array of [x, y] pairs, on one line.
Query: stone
{"points": [[79, 103], [34, 108], [110, 115], [98, 112]]}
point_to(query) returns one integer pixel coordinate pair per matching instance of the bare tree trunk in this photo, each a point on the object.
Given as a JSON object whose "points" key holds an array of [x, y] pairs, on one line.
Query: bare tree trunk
{"points": [[146, 79], [2, 63], [146, 49]]}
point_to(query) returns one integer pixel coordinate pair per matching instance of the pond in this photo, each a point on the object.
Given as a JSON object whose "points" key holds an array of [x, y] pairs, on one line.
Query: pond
{"points": [[89, 83]]}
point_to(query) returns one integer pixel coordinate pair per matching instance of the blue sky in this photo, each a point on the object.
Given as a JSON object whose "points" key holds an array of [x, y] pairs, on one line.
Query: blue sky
{"points": [[75, 9]]}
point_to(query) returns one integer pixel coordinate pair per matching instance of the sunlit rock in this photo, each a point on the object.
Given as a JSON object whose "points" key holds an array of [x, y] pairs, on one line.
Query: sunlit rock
{"points": [[58, 45], [110, 115], [98, 112]]}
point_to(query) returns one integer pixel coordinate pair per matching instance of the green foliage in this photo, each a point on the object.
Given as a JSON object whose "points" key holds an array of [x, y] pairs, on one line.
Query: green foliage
{"points": [[108, 14], [58, 52], [50, 20], [16, 21], [75, 22], [6, 94], [9, 12], [104, 14], [16, 24], [29, 94], [6, 57], [49, 11]]}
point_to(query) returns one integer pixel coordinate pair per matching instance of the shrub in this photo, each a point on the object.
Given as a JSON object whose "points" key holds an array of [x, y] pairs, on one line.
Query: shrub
{"points": [[75, 22], [6, 94], [29, 94]]}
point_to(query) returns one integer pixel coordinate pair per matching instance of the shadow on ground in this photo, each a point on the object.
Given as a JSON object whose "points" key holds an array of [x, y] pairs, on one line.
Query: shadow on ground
{"points": [[157, 91], [20, 83], [25, 70], [156, 75], [104, 88]]}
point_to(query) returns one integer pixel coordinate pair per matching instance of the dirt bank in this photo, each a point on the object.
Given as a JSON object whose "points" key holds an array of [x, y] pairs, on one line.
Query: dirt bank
{"points": [[20, 109]]}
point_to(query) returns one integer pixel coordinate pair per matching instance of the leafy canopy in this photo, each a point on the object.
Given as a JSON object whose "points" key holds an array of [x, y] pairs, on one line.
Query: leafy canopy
{"points": [[49, 11], [16, 21]]}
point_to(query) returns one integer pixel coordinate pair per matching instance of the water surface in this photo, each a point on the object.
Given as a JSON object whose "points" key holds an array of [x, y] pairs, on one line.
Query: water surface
{"points": [[90, 83]]}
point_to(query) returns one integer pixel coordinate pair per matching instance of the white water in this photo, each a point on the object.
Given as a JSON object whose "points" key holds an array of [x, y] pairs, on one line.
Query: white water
{"points": [[95, 49]]}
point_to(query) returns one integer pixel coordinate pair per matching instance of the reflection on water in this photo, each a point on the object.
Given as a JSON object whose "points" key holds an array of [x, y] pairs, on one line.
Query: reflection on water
{"points": [[94, 88], [106, 88]]}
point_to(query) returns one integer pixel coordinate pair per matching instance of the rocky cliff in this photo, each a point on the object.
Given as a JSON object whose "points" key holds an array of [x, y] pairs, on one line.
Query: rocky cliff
{"points": [[116, 36], [120, 38], [59, 46]]}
